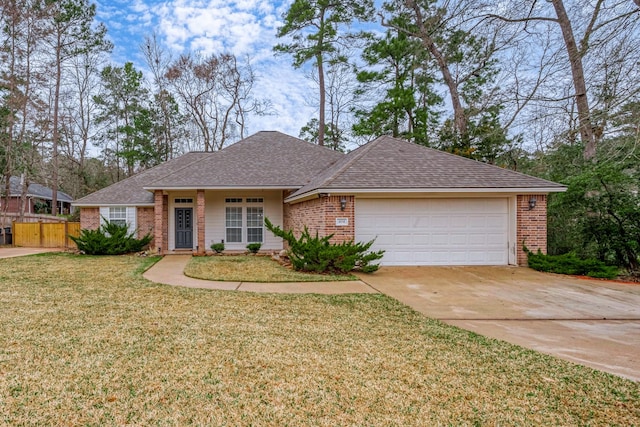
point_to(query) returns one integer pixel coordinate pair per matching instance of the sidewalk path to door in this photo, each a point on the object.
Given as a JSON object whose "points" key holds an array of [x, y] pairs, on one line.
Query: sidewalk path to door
{"points": [[170, 271]]}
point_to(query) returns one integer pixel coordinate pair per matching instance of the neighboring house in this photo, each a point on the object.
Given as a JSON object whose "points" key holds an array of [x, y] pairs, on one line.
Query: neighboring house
{"points": [[423, 206], [38, 198]]}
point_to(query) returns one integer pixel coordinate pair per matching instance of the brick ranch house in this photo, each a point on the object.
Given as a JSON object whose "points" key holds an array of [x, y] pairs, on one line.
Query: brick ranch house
{"points": [[38, 198], [423, 206]]}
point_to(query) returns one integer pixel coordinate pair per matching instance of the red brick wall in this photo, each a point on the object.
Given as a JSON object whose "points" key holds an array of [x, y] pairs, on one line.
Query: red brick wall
{"points": [[319, 215], [90, 218], [15, 203], [200, 218], [332, 211], [145, 221], [531, 225], [161, 221]]}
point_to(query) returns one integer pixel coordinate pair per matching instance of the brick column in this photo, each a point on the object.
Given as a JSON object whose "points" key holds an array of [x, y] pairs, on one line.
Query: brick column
{"points": [[160, 214], [332, 211], [200, 221], [531, 225]]}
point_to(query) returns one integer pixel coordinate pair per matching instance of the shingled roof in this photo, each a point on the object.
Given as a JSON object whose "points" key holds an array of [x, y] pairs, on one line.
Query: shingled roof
{"points": [[393, 164], [265, 159], [36, 190], [278, 161], [131, 191]]}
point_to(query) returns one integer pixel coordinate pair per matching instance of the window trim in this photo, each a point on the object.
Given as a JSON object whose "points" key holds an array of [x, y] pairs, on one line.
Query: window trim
{"points": [[118, 215], [131, 214], [227, 227], [244, 203]]}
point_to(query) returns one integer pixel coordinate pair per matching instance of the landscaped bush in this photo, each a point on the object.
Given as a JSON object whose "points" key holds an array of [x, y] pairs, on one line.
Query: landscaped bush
{"points": [[217, 247], [570, 263], [319, 255], [110, 239], [254, 247]]}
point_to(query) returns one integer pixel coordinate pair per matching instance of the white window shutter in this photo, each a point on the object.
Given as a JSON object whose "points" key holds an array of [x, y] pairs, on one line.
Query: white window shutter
{"points": [[104, 214], [131, 218]]}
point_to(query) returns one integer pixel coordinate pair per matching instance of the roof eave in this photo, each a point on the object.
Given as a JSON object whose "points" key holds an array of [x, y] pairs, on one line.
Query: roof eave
{"points": [[505, 190], [97, 205], [222, 187]]}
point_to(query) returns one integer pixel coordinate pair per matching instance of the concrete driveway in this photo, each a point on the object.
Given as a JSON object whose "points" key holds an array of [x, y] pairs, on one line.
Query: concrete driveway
{"points": [[591, 322], [9, 252]]}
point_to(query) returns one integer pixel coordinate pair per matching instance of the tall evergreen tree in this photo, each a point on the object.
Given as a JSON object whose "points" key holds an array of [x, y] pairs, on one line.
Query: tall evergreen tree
{"points": [[402, 86], [123, 102], [315, 29], [72, 32]]}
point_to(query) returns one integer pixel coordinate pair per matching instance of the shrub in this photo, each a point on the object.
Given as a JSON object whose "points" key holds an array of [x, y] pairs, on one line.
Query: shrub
{"points": [[319, 255], [110, 239], [254, 247], [217, 247], [570, 263]]}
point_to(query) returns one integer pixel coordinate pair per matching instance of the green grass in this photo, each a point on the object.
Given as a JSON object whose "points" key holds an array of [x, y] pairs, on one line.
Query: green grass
{"points": [[87, 341], [249, 268]]}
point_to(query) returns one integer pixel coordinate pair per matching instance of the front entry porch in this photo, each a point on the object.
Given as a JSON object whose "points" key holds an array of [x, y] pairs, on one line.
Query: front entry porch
{"points": [[194, 219]]}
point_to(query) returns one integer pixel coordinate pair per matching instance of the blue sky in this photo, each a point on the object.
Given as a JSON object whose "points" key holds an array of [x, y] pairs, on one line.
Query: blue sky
{"points": [[243, 27]]}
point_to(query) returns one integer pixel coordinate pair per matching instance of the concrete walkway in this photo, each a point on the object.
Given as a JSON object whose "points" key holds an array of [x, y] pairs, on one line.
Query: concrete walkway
{"points": [[590, 322], [10, 252], [170, 271]]}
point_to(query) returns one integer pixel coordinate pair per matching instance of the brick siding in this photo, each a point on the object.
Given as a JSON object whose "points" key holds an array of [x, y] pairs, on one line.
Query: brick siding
{"points": [[145, 222], [90, 218], [319, 215], [161, 221], [200, 218], [532, 225]]}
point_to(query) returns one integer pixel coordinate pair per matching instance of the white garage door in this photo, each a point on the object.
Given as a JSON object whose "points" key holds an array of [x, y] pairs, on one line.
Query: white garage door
{"points": [[436, 231]]}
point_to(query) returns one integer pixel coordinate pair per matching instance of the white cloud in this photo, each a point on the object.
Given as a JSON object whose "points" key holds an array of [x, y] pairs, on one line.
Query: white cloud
{"points": [[242, 27]]}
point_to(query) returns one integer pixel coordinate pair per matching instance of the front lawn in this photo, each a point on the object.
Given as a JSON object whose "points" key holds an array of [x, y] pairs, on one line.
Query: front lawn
{"points": [[87, 341], [250, 268]]}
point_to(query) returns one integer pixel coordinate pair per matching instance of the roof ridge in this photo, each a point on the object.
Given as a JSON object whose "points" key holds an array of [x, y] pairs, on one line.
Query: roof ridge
{"points": [[281, 134], [467, 159], [349, 160], [145, 172], [197, 160]]}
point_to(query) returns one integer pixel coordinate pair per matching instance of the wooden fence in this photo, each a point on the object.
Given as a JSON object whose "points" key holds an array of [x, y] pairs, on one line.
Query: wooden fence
{"points": [[45, 235], [8, 218]]}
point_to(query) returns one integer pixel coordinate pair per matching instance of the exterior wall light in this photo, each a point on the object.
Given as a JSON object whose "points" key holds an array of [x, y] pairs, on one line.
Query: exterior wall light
{"points": [[343, 203], [532, 203]]}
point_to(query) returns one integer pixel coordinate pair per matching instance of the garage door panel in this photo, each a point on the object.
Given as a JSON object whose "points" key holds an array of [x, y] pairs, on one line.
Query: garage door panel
{"points": [[421, 239], [435, 231], [403, 239], [439, 221], [440, 239]]}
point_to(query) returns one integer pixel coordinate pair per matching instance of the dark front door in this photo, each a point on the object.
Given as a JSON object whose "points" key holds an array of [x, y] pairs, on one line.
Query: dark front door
{"points": [[184, 228]]}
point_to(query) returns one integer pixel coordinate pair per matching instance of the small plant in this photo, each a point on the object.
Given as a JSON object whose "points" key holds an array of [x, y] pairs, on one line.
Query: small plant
{"points": [[570, 263], [254, 247], [217, 247], [110, 239], [319, 255]]}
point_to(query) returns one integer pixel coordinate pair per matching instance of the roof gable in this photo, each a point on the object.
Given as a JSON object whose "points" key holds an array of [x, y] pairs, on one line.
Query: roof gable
{"points": [[392, 164], [131, 191], [265, 159]]}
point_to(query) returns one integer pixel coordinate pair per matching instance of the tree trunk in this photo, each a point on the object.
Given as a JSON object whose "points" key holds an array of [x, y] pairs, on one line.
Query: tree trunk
{"points": [[56, 135], [577, 73], [323, 95], [459, 116], [24, 190]]}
